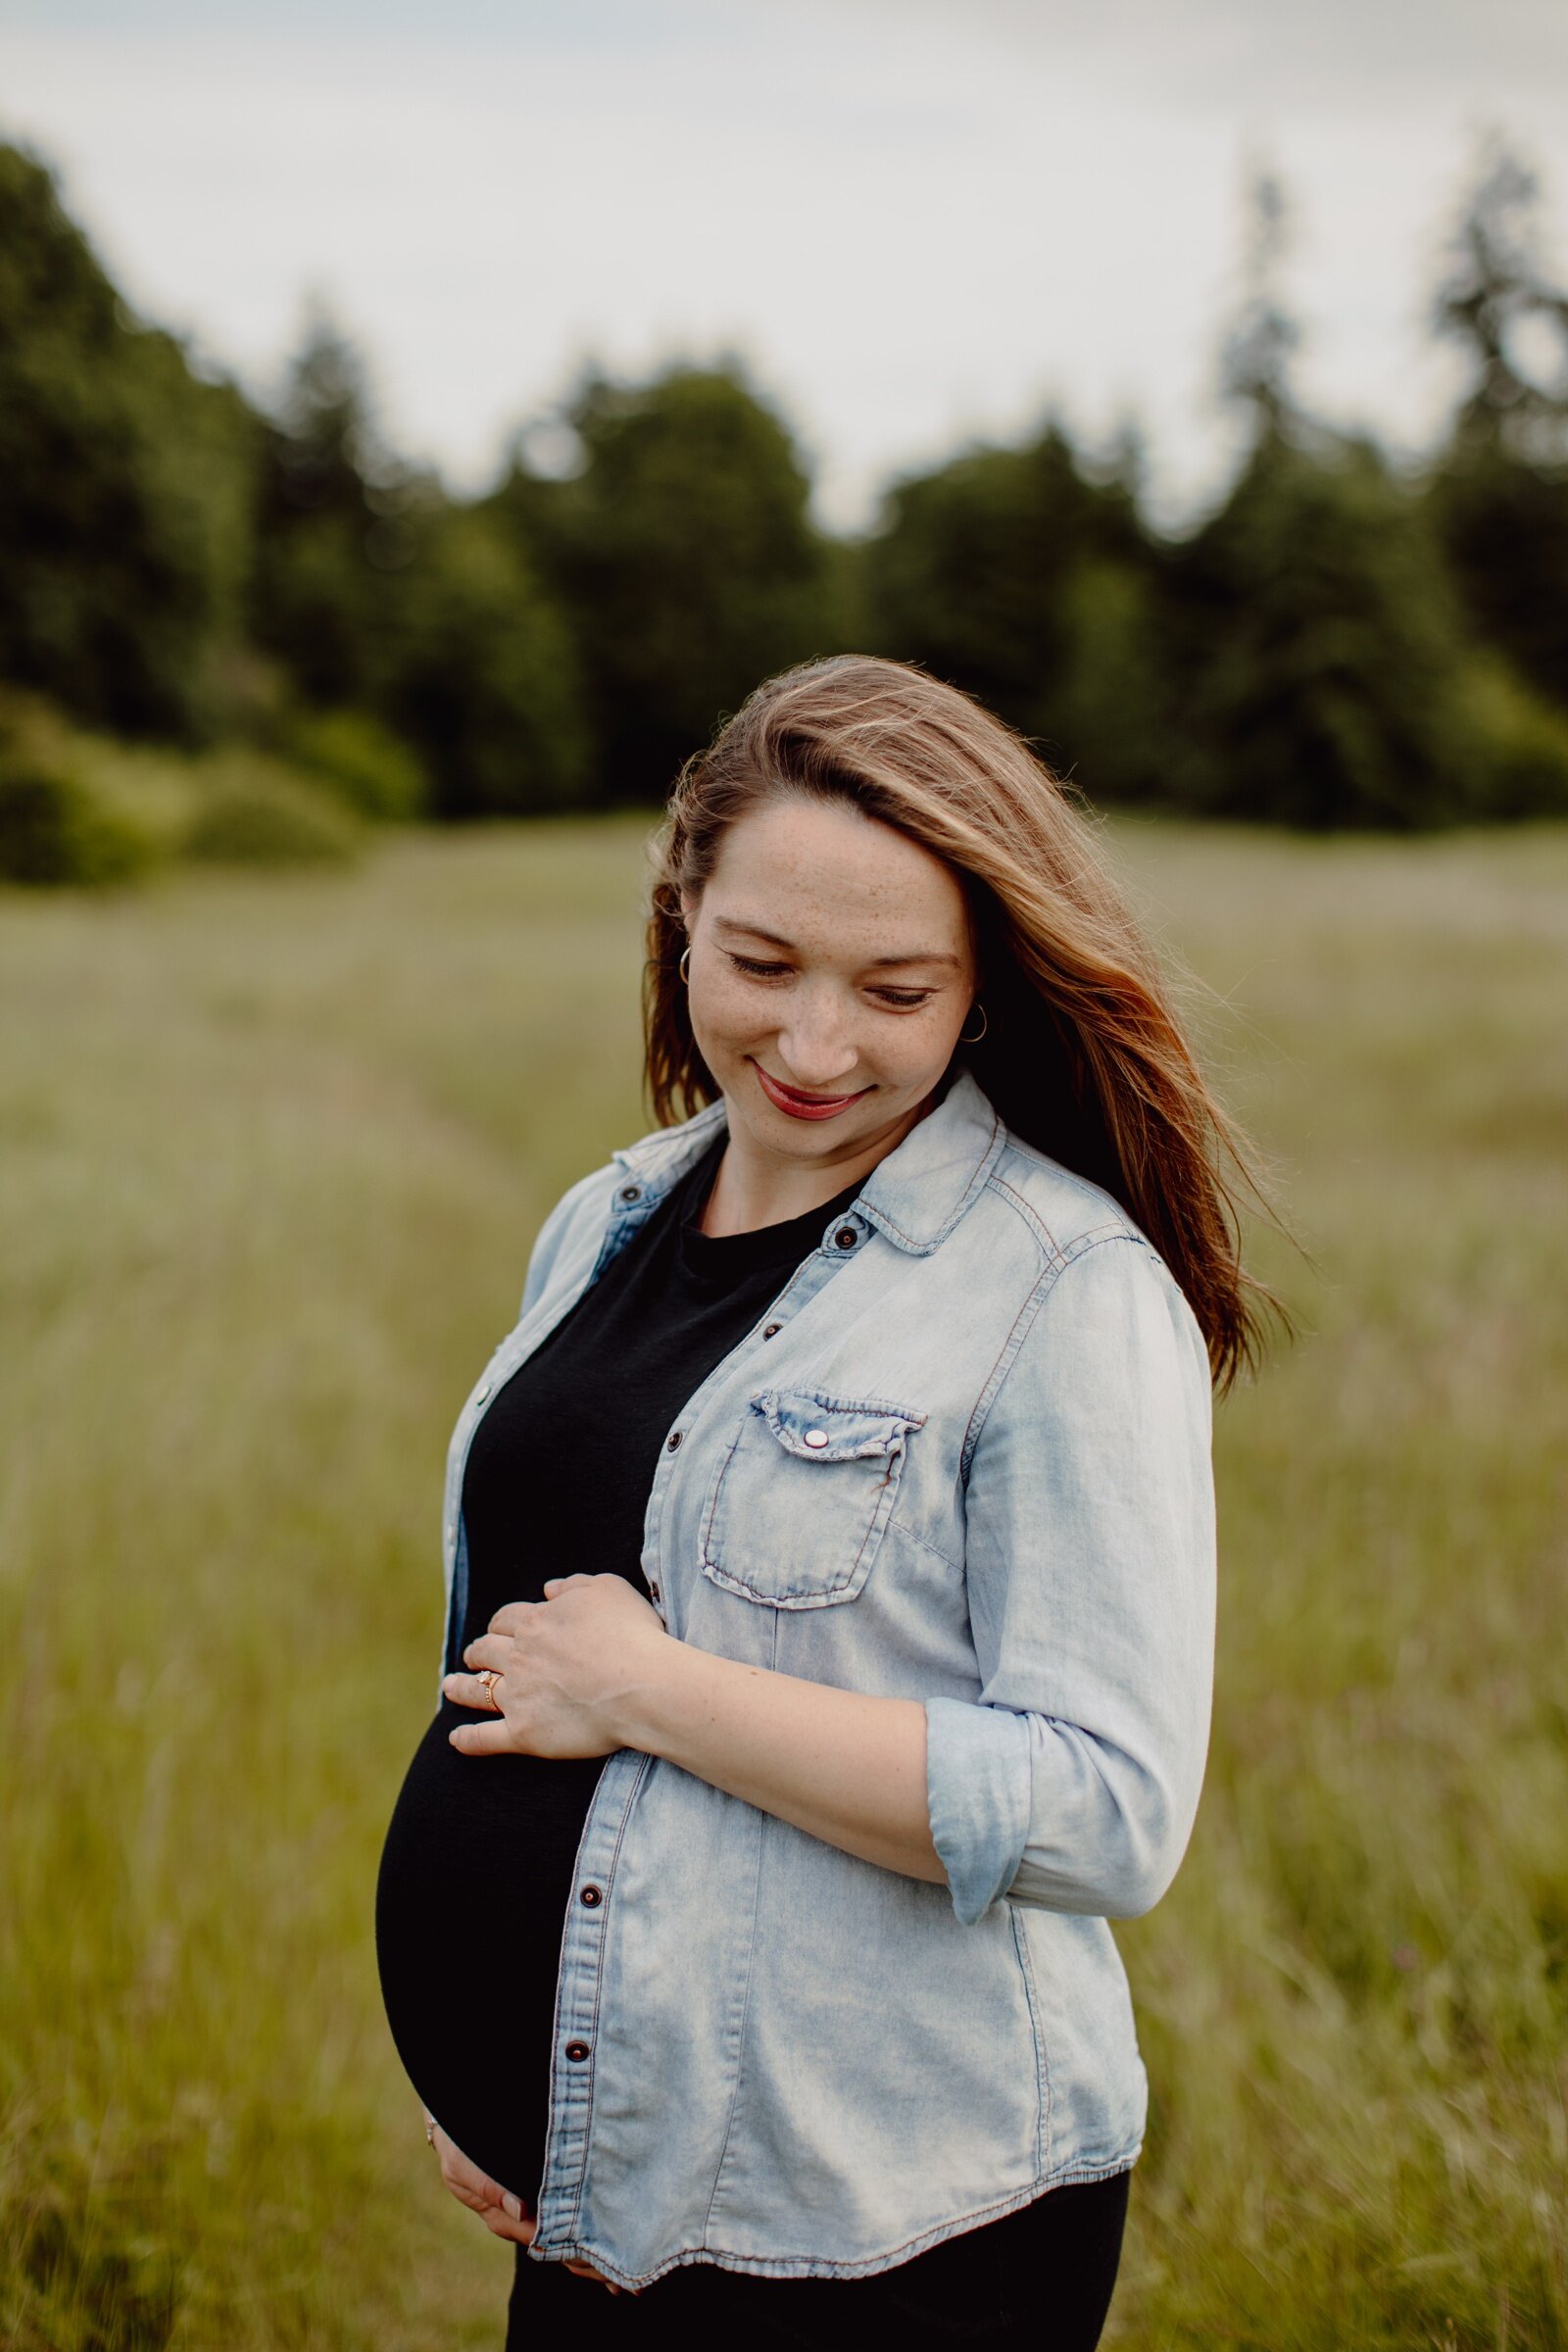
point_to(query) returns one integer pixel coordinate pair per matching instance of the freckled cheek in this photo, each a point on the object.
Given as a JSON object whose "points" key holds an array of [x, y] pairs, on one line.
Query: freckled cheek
{"points": [[728, 1018], [915, 1051]]}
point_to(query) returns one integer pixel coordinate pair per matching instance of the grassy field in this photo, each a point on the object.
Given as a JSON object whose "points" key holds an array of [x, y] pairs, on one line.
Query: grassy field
{"points": [[272, 1154]]}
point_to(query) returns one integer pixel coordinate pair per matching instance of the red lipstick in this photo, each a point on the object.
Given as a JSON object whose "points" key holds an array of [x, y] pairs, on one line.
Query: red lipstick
{"points": [[800, 1106]]}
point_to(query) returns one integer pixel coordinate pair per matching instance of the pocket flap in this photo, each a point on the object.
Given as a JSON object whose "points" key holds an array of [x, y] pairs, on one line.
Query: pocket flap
{"points": [[823, 1429]]}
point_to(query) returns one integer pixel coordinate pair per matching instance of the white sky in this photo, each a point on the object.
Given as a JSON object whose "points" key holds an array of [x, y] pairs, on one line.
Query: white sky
{"points": [[918, 221]]}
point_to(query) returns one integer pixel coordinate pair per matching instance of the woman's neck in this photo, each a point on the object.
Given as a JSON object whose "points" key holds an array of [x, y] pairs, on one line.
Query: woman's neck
{"points": [[753, 1187]]}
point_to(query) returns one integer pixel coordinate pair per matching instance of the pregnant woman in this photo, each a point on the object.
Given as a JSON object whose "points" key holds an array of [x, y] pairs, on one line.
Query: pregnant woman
{"points": [[830, 1570]]}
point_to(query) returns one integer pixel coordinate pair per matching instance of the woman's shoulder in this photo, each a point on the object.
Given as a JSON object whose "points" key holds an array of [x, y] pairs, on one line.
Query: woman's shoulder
{"points": [[1062, 1212], [1051, 1214], [1082, 1241]]}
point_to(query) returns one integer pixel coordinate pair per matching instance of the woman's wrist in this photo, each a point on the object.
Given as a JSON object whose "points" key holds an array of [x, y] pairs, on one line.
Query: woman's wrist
{"points": [[655, 1709]]}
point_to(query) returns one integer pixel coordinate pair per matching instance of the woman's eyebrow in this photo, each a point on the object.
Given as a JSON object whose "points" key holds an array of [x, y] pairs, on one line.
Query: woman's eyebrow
{"points": [[876, 963]]}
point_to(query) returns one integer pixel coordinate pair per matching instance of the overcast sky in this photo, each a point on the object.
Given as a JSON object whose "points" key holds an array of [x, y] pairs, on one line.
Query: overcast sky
{"points": [[918, 221]]}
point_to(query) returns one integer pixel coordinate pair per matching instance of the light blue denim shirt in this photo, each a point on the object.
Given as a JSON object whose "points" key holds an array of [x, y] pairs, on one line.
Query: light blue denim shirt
{"points": [[964, 1458]]}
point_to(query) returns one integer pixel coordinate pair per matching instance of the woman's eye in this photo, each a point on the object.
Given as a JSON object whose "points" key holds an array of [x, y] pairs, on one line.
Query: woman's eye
{"points": [[898, 1000]]}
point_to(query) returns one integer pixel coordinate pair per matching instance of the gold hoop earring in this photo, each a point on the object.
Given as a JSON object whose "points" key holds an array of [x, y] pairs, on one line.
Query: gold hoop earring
{"points": [[984, 1026], [683, 966]]}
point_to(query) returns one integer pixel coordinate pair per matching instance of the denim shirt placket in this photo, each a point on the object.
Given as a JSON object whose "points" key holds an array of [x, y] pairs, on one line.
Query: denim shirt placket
{"points": [[635, 1199], [588, 1917]]}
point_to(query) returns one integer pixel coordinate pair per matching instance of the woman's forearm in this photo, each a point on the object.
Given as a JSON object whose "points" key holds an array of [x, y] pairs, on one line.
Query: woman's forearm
{"points": [[846, 1768]]}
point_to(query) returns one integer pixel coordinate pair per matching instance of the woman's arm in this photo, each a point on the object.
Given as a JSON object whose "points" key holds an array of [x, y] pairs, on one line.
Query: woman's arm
{"points": [[592, 1669], [1071, 1781]]}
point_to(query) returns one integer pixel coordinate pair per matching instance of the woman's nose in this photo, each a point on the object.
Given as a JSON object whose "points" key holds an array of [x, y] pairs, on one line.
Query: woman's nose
{"points": [[815, 1046]]}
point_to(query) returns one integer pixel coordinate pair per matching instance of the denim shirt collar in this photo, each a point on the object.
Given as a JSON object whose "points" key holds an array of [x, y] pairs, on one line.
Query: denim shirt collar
{"points": [[914, 1197]]}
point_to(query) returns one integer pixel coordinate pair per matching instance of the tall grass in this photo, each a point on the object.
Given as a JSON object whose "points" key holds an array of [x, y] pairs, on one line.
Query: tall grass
{"points": [[272, 1154]]}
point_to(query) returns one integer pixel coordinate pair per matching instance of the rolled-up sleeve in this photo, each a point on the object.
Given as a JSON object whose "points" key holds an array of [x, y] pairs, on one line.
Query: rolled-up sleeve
{"points": [[1071, 1781]]}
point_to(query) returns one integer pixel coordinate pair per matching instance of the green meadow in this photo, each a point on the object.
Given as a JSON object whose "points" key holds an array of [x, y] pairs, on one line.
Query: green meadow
{"points": [[271, 1155]]}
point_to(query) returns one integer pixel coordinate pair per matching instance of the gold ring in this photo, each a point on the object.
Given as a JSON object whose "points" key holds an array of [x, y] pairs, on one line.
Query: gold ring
{"points": [[490, 1676]]}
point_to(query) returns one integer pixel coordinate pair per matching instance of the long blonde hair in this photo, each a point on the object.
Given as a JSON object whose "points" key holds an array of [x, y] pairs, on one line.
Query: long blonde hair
{"points": [[1083, 1052]]}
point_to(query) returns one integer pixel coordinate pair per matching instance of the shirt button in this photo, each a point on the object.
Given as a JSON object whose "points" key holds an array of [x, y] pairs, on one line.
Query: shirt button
{"points": [[771, 1331], [816, 1437], [631, 1192], [591, 1897], [481, 1392], [846, 1237], [576, 2051], [653, 1593], [672, 1440]]}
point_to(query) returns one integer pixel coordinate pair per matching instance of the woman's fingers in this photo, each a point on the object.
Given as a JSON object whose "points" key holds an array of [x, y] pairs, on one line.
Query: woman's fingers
{"points": [[456, 2170], [490, 1649], [501, 2225], [460, 2172], [508, 1619], [466, 1690], [501, 2212], [492, 1738], [584, 2270]]}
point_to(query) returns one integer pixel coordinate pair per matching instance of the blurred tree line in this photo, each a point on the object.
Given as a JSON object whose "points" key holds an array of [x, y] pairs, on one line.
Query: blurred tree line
{"points": [[1341, 643]]}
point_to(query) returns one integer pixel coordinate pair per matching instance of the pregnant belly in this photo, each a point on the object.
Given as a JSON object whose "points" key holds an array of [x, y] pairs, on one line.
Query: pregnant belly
{"points": [[475, 1876]]}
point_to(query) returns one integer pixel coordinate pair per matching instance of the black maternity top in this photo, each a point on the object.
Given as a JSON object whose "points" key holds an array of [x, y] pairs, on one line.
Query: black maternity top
{"points": [[476, 1872]]}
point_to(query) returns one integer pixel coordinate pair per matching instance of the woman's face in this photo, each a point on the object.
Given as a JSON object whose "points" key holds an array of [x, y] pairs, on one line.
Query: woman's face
{"points": [[832, 967]]}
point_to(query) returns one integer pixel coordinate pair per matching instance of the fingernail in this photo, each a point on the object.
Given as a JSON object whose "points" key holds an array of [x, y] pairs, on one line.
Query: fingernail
{"points": [[512, 2206]]}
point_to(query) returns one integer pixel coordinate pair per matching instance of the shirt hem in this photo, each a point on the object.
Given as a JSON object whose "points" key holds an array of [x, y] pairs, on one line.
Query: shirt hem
{"points": [[811, 2266]]}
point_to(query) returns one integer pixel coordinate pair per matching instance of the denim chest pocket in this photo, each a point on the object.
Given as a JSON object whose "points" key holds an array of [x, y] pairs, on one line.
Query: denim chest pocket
{"points": [[802, 1497]]}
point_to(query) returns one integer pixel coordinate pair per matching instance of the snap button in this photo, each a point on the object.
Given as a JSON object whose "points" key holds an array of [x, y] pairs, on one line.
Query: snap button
{"points": [[816, 1437], [771, 1331], [631, 1192], [672, 1440], [846, 1237], [576, 2051], [591, 1897]]}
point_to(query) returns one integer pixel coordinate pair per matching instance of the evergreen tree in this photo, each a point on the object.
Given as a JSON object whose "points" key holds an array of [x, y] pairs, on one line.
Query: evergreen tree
{"points": [[684, 557], [481, 674], [1499, 493], [1310, 619], [124, 489], [329, 526], [1256, 359], [1320, 643], [1020, 576]]}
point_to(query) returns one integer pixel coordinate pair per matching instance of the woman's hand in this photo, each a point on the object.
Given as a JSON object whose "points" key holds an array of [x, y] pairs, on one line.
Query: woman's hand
{"points": [[569, 1666], [590, 1669], [500, 2211]]}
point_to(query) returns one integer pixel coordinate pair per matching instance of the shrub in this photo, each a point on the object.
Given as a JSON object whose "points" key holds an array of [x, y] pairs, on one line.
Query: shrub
{"points": [[361, 762], [255, 812], [56, 829], [1520, 743]]}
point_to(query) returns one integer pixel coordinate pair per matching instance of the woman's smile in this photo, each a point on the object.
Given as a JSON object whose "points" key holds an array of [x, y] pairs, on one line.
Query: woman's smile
{"points": [[797, 1103]]}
